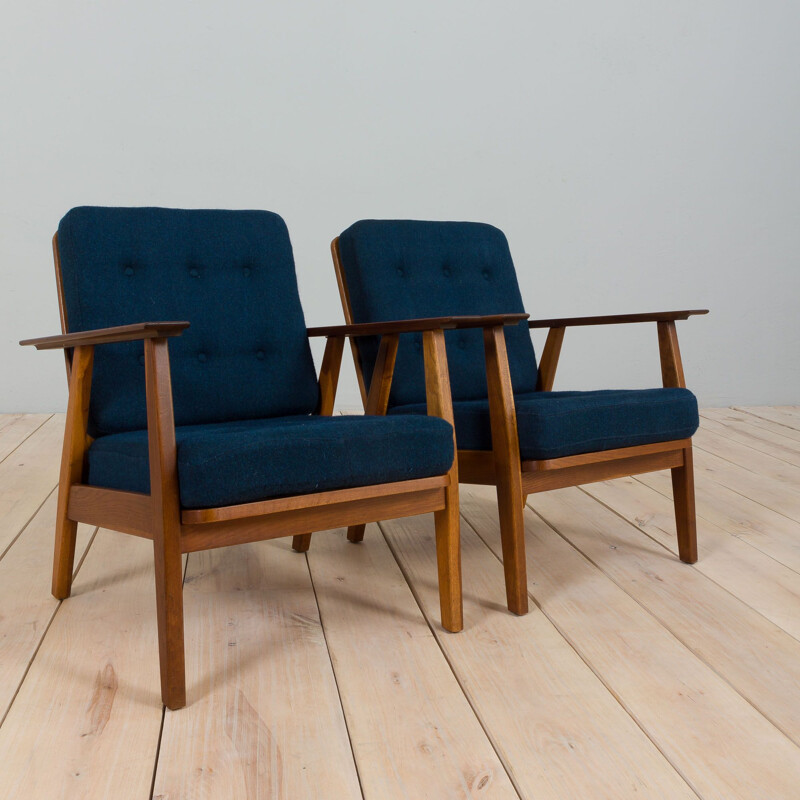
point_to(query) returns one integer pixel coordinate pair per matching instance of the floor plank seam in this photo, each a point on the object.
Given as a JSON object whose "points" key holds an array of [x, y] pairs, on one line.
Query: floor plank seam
{"points": [[449, 663], [44, 634], [726, 530], [599, 677], [726, 434], [35, 430], [27, 522], [669, 629], [690, 566], [744, 410], [736, 463], [335, 677]]}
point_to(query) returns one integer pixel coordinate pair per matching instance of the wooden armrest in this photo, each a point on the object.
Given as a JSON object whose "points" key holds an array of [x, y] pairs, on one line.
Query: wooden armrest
{"points": [[418, 325], [121, 333], [614, 319]]}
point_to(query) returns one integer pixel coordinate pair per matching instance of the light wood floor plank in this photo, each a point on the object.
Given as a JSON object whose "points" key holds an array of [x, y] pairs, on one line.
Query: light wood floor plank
{"points": [[559, 730], [761, 439], [722, 745], [263, 718], [26, 605], [413, 732], [773, 414], [86, 721], [16, 428], [762, 662], [763, 583], [731, 415], [759, 526], [28, 476]]}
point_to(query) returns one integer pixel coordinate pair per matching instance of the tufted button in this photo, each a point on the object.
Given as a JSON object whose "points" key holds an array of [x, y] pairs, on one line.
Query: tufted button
{"points": [[202, 358], [129, 271], [417, 344], [446, 271], [461, 343], [400, 271], [485, 274], [260, 355], [141, 360], [246, 272], [194, 272]]}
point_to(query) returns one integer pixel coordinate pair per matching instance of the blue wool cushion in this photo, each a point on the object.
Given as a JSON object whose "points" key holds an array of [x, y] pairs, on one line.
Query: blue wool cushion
{"points": [[229, 273], [241, 462], [405, 269], [555, 424]]}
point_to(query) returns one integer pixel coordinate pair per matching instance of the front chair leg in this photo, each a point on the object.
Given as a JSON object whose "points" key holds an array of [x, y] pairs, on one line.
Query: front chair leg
{"points": [[448, 558], [64, 556], [685, 515], [355, 533], [169, 609], [301, 542], [510, 505]]}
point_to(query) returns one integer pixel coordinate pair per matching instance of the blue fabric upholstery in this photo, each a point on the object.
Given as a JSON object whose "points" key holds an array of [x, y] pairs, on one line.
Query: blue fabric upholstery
{"points": [[229, 273], [555, 424], [407, 269], [240, 462]]}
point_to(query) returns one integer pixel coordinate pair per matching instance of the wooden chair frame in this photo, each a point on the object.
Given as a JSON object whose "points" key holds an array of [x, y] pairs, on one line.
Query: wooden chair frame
{"points": [[158, 516], [515, 478]]}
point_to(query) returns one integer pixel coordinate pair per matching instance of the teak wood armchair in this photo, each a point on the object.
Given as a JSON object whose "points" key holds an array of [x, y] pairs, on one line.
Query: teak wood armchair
{"points": [[226, 436], [512, 430]]}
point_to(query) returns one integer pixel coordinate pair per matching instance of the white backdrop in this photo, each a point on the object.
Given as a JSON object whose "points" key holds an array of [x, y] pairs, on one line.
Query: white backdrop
{"points": [[639, 155]]}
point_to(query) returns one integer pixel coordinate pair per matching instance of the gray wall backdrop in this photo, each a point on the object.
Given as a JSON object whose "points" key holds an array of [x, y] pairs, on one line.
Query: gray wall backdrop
{"points": [[639, 155]]}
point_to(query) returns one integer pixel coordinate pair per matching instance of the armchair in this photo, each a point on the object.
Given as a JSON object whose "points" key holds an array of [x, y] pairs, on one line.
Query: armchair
{"points": [[512, 430], [215, 429]]}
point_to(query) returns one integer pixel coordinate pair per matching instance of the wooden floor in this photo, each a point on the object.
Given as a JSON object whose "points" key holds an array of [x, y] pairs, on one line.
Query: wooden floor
{"points": [[327, 675]]}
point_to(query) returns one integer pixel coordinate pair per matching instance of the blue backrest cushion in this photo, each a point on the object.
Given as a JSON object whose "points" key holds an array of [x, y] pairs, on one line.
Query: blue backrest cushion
{"points": [[405, 269], [229, 273]]}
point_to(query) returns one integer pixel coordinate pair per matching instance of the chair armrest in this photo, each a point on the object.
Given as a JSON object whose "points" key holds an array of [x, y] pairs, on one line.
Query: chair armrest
{"points": [[417, 325], [121, 333], [614, 319]]}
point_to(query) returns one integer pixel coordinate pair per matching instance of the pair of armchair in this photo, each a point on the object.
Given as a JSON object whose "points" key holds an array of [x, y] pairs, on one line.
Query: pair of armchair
{"points": [[213, 428]]}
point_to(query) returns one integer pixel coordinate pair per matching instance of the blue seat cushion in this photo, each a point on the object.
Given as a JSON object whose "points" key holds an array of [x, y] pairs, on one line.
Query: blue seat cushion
{"points": [[245, 461], [555, 424]]}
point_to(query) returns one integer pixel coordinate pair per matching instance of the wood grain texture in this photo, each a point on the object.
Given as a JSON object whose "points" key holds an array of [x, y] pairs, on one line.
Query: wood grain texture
{"points": [[27, 476], [739, 428], [671, 365], [762, 662], [548, 363], [413, 732], [418, 325], [16, 428], [264, 719], [127, 512], [119, 333], [25, 598], [616, 319], [507, 468], [583, 459], [446, 520], [73, 458], [763, 583], [166, 521], [557, 729], [685, 708], [86, 721], [776, 415]]}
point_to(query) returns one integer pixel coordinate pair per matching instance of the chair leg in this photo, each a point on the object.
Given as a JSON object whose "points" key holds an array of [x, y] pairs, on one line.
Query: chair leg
{"points": [[355, 533], [64, 555], [685, 517], [448, 558], [510, 507], [301, 542], [169, 608]]}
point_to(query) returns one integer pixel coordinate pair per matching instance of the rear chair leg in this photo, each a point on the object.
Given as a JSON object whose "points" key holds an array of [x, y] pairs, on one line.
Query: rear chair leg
{"points": [[355, 533], [448, 558], [685, 518], [301, 542]]}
